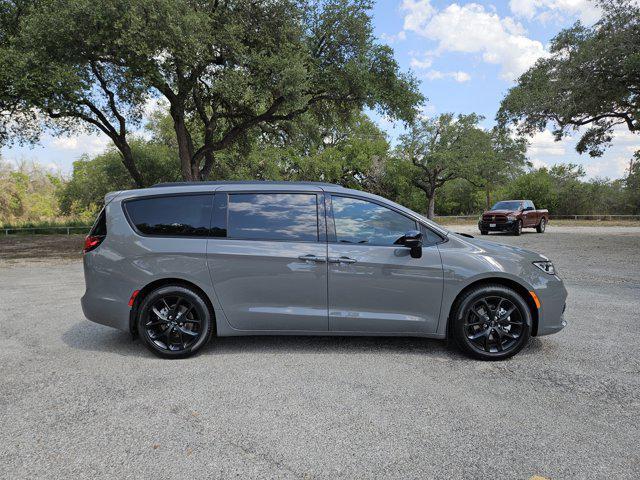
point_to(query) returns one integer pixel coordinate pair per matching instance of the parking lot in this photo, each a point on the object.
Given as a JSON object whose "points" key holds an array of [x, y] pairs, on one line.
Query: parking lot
{"points": [[79, 400]]}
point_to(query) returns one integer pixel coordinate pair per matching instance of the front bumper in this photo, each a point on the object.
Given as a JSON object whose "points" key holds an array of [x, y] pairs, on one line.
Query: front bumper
{"points": [[553, 301], [509, 225]]}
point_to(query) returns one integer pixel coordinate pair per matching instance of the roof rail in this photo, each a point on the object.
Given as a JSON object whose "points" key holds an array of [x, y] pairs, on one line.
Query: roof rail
{"points": [[242, 182]]}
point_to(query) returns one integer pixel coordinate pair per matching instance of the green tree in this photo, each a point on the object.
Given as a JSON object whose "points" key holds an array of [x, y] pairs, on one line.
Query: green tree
{"points": [[632, 185], [438, 150], [93, 177], [500, 158], [591, 79], [225, 69], [537, 186]]}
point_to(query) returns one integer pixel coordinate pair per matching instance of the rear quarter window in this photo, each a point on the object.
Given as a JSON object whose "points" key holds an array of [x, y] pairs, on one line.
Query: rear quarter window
{"points": [[99, 228], [171, 215]]}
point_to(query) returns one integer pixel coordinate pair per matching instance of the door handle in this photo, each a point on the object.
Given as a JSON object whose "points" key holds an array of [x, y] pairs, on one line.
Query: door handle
{"points": [[342, 260], [312, 258]]}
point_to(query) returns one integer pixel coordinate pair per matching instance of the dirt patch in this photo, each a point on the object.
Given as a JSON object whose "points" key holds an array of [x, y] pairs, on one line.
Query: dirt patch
{"points": [[17, 247]]}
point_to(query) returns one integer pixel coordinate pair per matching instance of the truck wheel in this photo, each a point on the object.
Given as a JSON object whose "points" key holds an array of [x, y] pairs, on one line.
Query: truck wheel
{"points": [[517, 230], [484, 232], [541, 226]]}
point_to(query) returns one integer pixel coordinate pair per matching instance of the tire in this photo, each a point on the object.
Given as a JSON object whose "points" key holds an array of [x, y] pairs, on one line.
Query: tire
{"points": [[481, 327], [484, 232], [517, 231], [541, 226], [159, 327]]}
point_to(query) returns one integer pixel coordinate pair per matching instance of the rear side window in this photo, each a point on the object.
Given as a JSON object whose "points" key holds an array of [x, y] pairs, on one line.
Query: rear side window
{"points": [[99, 228], [273, 216], [179, 215]]}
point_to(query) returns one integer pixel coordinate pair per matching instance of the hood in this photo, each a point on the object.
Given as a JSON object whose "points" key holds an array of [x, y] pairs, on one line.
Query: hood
{"points": [[499, 249], [499, 212]]}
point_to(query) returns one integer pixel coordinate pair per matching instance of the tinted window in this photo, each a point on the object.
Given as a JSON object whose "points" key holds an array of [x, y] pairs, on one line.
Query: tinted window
{"points": [[359, 221], [273, 216], [99, 228], [506, 206], [180, 215], [429, 237]]}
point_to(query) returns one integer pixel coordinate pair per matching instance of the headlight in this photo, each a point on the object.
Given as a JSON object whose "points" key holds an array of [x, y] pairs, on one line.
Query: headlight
{"points": [[546, 267], [511, 218]]}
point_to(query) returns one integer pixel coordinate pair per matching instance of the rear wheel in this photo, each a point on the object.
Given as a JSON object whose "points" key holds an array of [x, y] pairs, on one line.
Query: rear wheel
{"points": [[517, 229], [174, 322], [541, 226], [491, 322]]}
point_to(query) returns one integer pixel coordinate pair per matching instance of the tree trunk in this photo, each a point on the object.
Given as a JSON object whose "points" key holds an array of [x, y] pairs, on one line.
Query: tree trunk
{"points": [[129, 163], [488, 192], [190, 172], [431, 202]]}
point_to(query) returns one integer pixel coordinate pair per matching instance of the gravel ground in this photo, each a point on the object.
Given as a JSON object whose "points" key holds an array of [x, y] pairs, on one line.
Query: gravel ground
{"points": [[79, 400]]}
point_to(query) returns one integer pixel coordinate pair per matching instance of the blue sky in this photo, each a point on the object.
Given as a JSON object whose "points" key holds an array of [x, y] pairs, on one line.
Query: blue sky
{"points": [[466, 54]]}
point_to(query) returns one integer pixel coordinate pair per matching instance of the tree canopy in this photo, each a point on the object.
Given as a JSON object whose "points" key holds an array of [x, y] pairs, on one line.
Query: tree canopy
{"points": [[437, 150], [225, 68], [591, 79]]}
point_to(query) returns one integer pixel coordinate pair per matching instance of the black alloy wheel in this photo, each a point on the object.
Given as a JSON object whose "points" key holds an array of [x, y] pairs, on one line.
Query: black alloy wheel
{"points": [[174, 322], [492, 323]]}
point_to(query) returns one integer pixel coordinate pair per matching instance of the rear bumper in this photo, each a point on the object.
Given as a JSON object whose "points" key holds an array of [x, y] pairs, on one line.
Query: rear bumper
{"points": [[499, 227], [105, 311]]}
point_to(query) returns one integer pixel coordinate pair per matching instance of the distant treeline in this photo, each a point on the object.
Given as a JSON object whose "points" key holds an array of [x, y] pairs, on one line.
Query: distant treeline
{"points": [[356, 156]]}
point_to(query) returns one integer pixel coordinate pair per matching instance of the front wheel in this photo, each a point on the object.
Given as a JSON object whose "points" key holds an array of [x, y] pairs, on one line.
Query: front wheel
{"points": [[541, 226], [517, 229], [174, 322], [491, 322]]}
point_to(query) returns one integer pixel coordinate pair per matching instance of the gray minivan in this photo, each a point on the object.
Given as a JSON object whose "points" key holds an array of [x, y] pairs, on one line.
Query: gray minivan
{"points": [[176, 264]]}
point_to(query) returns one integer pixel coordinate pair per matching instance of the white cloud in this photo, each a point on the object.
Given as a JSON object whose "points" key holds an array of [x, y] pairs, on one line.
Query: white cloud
{"points": [[544, 10], [65, 143], [82, 143], [459, 76], [472, 29], [391, 38], [418, 12], [544, 151], [544, 144], [614, 167], [622, 136], [421, 64]]}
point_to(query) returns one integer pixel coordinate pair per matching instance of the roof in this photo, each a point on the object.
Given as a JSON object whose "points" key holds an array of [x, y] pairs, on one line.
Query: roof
{"points": [[243, 182]]}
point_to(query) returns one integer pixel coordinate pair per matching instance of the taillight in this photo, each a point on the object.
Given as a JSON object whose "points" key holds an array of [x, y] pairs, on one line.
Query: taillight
{"points": [[91, 242]]}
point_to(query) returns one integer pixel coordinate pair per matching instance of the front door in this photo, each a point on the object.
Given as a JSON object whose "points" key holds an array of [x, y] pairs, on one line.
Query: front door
{"points": [[374, 285], [268, 264]]}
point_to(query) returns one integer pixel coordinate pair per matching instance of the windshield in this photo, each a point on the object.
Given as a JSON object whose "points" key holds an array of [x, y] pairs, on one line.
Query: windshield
{"points": [[509, 205]]}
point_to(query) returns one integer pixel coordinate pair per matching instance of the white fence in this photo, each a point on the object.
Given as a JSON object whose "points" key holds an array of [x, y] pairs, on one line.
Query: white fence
{"points": [[62, 230]]}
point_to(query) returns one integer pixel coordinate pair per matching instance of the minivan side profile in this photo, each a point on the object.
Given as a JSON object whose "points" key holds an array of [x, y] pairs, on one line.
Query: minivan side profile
{"points": [[177, 264]]}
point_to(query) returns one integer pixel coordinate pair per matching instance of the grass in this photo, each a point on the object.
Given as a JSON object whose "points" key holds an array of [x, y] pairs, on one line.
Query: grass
{"points": [[47, 226]]}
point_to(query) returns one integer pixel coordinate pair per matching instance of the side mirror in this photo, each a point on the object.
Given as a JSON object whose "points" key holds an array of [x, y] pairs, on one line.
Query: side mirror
{"points": [[413, 240]]}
